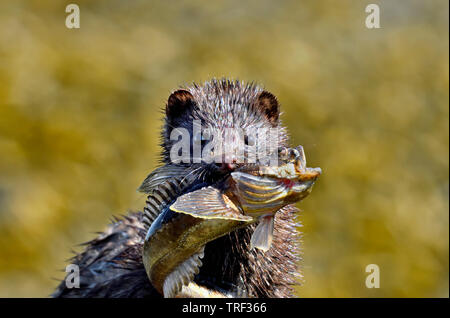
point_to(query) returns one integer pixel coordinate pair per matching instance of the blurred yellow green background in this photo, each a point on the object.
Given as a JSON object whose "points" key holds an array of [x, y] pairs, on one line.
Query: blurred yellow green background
{"points": [[80, 114]]}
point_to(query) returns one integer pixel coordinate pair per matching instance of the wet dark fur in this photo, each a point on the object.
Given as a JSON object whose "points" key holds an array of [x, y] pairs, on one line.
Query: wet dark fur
{"points": [[111, 265]]}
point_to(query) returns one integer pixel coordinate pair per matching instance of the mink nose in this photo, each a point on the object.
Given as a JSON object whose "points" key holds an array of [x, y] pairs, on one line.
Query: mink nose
{"points": [[228, 165]]}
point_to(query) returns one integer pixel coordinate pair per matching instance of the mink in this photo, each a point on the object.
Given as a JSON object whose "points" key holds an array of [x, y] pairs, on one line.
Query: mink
{"points": [[111, 264]]}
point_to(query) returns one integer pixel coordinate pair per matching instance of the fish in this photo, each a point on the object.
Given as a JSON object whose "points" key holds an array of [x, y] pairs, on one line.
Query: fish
{"points": [[183, 215], [257, 193]]}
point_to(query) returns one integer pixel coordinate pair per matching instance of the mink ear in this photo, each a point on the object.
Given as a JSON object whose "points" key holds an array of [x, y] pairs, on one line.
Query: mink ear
{"points": [[267, 103], [179, 102]]}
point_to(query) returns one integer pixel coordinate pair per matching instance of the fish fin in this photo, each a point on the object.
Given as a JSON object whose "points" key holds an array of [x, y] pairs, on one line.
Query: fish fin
{"points": [[160, 175], [262, 236], [196, 291], [160, 196], [208, 203], [183, 274]]}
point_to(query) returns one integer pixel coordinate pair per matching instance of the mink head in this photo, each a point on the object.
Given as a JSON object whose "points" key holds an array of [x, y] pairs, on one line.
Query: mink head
{"points": [[236, 124]]}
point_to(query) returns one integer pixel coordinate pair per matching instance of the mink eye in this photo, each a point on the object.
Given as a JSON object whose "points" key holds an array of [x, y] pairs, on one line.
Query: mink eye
{"points": [[199, 138], [249, 140]]}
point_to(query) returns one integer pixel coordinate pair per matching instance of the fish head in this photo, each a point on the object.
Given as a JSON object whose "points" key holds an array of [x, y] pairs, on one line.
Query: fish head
{"points": [[300, 187], [270, 188]]}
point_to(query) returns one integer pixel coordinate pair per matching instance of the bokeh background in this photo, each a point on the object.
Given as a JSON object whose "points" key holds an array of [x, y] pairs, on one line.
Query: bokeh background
{"points": [[79, 121]]}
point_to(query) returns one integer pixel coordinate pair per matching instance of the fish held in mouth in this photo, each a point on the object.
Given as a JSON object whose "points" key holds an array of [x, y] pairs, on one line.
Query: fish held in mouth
{"points": [[182, 219], [254, 194]]}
